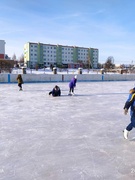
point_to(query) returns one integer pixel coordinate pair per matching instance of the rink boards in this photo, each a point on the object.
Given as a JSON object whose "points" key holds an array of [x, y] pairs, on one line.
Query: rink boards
{"points": [[11, 78]]}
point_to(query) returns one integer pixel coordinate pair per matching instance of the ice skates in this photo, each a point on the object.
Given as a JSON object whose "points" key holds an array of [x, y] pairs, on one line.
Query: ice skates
{"points": [[125, 133]]}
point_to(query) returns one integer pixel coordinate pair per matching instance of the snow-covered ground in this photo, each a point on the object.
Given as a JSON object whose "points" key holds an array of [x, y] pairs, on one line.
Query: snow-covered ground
{"points": [[49, 71], [65, 138], [59, 71]]}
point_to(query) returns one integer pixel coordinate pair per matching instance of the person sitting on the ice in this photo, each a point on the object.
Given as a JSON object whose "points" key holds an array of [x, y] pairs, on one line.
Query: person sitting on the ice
{"points": [[56, 91], [130, 103], [72, 85]]}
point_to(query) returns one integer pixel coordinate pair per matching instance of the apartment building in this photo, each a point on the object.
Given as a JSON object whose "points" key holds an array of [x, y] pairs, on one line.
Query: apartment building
{"points": [[2, 49], [48, 54]]}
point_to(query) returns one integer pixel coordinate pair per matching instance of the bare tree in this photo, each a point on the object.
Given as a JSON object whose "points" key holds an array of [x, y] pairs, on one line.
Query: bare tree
{"points": [[21, 59], [89, 64], [14, 57], [109, 64]]}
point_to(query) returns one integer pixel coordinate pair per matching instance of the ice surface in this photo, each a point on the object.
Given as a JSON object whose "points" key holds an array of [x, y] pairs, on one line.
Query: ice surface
{"points": [[65, 138]]}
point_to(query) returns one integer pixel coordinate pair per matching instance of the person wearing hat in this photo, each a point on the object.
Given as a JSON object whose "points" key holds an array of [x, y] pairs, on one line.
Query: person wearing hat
{"points": [[72, 85], [55, 92], [130, 103]]}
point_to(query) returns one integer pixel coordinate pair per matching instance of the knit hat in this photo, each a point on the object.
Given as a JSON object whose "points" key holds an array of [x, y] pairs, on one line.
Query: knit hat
{"points": [[75, 77]]}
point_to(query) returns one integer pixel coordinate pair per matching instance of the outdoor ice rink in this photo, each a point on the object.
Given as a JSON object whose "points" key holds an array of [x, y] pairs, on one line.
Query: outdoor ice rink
{"points": [[65, 138]]}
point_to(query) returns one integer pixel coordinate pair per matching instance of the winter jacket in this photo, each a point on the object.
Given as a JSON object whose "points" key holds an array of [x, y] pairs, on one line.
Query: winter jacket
{"points": [[19, 79], [130, 103], [55, 92], [72, 83]]}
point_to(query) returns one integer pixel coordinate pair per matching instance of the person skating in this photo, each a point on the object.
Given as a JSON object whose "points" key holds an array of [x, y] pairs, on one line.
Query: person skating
{"points": [[20, 81], [130, 103], [56, 91], [72, 85]]}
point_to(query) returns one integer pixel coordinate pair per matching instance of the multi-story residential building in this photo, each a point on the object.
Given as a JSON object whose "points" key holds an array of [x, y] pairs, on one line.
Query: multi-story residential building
{"points": [[2, 49], [48, 54]]}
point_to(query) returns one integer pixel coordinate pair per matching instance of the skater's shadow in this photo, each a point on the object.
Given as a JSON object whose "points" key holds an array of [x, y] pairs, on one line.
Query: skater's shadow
{"points": [[133, 139], [80, 95], [94, 94]]}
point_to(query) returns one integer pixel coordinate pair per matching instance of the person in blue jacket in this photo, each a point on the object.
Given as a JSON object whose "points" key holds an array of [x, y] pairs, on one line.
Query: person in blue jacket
{"points": [[56, 91], [130, 103], [72, 85]]}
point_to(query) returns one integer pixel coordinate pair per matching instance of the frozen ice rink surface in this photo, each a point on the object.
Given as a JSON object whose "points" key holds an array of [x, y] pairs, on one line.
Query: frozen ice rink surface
{"points": [[65, 138]]}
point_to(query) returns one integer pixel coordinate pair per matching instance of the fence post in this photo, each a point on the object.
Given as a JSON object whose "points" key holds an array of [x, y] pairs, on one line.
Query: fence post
{"points": [[102, 77], [8, 78]]}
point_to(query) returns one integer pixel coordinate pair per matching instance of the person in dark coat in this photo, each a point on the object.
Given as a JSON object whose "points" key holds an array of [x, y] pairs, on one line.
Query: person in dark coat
{"points": [[55, 92], [20, 81], [130, 103], [72, 85]]}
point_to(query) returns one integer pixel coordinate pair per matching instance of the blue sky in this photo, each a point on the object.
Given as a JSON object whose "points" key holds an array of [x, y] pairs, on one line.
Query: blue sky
{"points": [[108, 25]]}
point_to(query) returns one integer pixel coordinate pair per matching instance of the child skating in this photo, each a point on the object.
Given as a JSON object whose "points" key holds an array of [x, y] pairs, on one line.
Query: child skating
{"points": [[130, 103], [20, 81], [72, 85]]}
